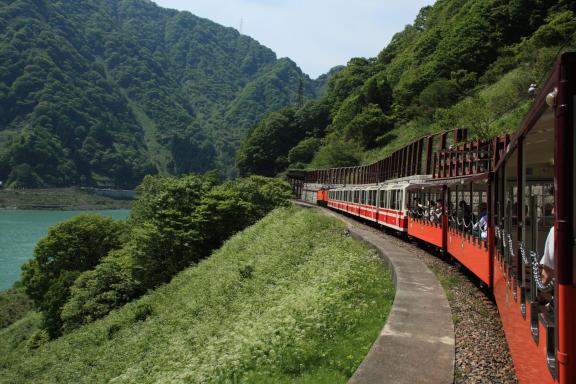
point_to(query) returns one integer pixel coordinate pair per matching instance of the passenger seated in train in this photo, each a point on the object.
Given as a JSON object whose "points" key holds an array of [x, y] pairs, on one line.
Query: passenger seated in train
{"points": [[427, 210], [481, 227], [547, 261], [436, 212], [464, 215], [547, 266], [418, 209]]}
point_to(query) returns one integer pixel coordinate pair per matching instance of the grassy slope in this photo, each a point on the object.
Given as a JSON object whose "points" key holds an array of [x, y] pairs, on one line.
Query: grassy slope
{"points": [[291, 299]]}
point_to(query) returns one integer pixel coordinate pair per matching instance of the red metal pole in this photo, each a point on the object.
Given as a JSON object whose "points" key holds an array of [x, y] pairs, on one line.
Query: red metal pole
{"points": [[444, 220], [490, 214], [519, 204], [564, 231]]}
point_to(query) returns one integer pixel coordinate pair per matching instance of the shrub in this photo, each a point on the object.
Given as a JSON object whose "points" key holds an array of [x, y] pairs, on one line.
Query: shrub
{"points": [[37, 339], [176, 222], [72, 247], [95, 293]]}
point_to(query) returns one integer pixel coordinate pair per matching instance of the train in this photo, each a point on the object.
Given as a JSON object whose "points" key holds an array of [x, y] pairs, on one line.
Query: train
{"points": [[492, 205]]}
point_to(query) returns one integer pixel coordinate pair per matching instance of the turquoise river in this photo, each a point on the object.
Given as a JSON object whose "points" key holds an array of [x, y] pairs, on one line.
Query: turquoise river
{"points": [[19, 232]]}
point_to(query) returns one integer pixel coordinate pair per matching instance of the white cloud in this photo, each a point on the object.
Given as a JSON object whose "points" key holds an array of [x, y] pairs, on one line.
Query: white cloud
{"points": [[316, 34]]}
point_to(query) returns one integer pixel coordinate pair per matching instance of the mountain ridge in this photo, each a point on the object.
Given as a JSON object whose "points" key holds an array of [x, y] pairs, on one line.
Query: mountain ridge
{"points": [[104, 92]]}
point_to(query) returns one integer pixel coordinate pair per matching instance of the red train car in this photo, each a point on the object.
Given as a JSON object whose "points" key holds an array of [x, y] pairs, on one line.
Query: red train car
{"points": [[492, 205]]}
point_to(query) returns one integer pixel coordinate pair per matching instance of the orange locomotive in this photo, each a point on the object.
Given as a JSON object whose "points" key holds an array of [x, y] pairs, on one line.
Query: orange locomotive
{"points": [[496, 206]]}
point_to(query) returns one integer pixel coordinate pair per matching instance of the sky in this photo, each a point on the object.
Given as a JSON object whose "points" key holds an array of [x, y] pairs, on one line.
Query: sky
{"points": [[316, 34]]}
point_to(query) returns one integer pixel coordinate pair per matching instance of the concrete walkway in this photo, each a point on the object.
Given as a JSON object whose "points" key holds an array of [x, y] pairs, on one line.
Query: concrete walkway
{"points": [[417, 342]]}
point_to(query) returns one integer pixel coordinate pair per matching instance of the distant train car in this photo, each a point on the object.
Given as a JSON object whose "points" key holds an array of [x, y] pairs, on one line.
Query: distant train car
{"points": [[493, 206]]}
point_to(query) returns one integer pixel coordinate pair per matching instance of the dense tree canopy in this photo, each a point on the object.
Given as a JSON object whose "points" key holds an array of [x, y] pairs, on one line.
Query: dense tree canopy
{"points": [[104, 92]]}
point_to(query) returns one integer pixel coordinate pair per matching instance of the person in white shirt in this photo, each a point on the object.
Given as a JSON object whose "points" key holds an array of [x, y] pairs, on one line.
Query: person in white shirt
{"points": [[547, 261]]}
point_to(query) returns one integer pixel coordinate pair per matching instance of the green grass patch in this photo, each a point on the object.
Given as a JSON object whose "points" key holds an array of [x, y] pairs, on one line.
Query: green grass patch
{"points": [[291, 299]]}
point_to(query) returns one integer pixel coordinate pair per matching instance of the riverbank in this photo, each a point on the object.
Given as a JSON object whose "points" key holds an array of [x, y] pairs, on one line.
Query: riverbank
{"points": [[66, 199]]}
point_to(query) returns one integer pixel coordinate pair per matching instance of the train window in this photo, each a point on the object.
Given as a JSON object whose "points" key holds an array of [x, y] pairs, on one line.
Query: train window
{"points": [[510, 211], [478, 215], [538, 175], [539, 178], [382, 198]]}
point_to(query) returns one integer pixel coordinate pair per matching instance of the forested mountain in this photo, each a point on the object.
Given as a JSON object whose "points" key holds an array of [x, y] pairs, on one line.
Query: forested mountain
{"points": [[106, 91], [461, 64]]}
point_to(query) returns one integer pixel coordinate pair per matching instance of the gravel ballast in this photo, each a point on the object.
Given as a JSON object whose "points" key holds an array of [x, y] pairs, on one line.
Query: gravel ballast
{"points": [[482, 355]]}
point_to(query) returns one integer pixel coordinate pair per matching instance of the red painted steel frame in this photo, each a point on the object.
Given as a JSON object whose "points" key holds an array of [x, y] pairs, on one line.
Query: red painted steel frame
{"points": [[564, 231], [471, 253], [388, 217], [529, 358], [426, 231]]}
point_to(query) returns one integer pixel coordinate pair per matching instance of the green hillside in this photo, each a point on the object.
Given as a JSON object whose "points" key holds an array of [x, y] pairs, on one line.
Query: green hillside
{"points": [[291, 299], [102, 92], [461, 64]]}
